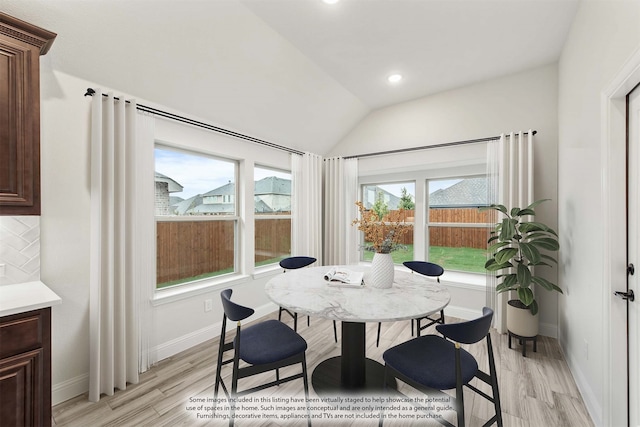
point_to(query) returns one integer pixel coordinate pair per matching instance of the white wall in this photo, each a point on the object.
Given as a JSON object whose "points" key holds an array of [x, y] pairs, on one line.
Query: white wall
{"points": [[516, 102], [177, 323], [603, 36]]}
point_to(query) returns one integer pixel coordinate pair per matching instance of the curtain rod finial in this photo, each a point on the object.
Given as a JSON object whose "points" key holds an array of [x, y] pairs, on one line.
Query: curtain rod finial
{"points": [[90, 92]]}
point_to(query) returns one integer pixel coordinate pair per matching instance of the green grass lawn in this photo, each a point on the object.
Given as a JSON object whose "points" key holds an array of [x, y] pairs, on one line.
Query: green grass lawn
{"points": [[456, 259]]}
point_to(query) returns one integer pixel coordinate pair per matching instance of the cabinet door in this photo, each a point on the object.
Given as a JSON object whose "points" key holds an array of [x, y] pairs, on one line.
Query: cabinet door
{"points": [[21, 45], [19, 129], [21, 389]]}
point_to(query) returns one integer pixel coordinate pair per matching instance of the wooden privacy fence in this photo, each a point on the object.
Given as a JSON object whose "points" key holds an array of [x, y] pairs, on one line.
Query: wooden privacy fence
{"points": [[273, 238], [453, 237], [191, 249]]}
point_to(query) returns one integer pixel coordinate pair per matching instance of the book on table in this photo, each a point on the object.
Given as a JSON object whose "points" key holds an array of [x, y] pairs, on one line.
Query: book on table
{"points": [[344, 277]]}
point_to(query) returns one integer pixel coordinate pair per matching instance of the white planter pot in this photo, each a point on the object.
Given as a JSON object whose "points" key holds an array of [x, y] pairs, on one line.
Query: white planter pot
{"points": [[382, 270], [520, 321]]}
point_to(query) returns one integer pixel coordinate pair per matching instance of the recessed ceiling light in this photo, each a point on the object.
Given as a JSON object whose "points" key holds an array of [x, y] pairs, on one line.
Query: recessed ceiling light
{"points": [[330, 1], [394, 78]]}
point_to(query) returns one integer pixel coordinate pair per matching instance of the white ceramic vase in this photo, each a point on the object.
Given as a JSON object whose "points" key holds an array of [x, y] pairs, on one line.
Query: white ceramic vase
{"points": [[382, 270]]}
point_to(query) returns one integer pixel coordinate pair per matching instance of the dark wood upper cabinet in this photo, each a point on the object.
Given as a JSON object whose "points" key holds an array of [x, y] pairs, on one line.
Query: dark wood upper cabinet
{"points": [[21, 45]]}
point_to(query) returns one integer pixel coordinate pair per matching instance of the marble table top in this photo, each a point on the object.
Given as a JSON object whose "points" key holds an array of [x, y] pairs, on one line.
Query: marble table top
{"points": [[306, 292]]}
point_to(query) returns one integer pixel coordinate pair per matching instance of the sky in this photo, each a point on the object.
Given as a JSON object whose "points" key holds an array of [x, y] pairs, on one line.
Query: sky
{"points": [[199, 174]]}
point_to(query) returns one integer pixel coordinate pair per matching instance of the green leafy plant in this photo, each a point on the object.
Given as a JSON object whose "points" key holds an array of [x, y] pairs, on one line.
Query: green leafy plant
{"points": [[516, 247]]}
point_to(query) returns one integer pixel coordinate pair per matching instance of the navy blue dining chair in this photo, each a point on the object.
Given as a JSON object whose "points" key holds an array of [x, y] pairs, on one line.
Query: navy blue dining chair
{"points": [[432, 364], [429, 269], [293, 263], [265, 346]]}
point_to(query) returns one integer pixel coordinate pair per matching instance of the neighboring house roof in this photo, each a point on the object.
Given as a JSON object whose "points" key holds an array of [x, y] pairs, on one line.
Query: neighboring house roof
{"points": [[261, 206], [174, 200], [266, 186], [272, 185], [468, 192], [184, 206], [392, 199], [227, 189], [174, 187], [213, 208]]}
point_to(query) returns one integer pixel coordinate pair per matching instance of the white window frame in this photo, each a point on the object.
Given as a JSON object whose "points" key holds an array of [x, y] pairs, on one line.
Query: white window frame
{"points": [[429, 224], [270, 266], [421, 177], [176, 135], [235, 218]]}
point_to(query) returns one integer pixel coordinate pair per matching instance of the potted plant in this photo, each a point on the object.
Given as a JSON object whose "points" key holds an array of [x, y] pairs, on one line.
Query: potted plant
{"points": [[517, 246]]}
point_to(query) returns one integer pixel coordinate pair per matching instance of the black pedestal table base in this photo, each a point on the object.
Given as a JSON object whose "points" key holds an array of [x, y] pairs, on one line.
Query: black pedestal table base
{"points": [[351, 372]]}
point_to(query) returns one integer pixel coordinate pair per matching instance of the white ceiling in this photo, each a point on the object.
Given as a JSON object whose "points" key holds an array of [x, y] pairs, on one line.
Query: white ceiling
{"points": [[299, 73], [435, 44]]}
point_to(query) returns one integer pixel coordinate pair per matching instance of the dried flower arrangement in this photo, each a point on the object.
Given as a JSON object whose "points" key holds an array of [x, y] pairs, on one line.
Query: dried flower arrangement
{"points": [[381, 235]]}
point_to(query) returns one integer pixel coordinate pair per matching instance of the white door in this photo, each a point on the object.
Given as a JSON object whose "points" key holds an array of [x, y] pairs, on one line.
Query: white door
{"points": [[633, 315]]}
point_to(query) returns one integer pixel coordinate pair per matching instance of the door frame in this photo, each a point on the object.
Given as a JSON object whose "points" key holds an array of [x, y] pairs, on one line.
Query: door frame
{"points": [[614, 210]]}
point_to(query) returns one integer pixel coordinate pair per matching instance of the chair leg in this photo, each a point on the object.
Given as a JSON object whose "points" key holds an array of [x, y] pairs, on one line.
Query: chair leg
{"points": [[295, 322], [411, 327], [494, 382], [280, 315], [459, 392], [305, 381], [418, 327], [378, 337], [219, 365], [385, 390], [335, 331], [442, 316], [234, 392], [308, 321]]}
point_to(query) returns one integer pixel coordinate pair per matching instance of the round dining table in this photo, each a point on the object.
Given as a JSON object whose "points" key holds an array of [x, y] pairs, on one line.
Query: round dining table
{"points": [[306, 291]]}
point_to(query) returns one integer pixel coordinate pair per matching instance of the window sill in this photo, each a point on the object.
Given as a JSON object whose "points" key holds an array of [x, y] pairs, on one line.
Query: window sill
{"points": [[461, 279], [266, 271], [177, 293], [458, 279]]}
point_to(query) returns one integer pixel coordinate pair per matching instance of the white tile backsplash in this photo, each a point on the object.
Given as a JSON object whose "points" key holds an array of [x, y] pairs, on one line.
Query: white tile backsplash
{"points": [[20, 249]]}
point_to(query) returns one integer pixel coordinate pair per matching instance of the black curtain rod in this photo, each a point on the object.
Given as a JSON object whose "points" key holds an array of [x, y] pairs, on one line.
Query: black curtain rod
{"points": [[425, 147], [140, 107]]}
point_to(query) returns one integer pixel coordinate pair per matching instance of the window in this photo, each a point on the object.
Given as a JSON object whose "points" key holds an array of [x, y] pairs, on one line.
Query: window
{"points": [[196, 216], [386, 197], [272, 210], [457, 231]]}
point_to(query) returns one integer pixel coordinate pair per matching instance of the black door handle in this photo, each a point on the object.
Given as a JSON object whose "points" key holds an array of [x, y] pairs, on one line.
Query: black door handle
{"points": [[629, 296]]}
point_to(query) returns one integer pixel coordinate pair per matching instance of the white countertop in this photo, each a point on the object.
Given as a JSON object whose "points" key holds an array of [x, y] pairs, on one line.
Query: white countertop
{"points": [[22, 297]]}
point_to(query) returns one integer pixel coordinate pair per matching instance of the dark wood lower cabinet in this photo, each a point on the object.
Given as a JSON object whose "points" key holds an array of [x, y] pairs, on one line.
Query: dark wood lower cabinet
{"points": [[25, 369]]}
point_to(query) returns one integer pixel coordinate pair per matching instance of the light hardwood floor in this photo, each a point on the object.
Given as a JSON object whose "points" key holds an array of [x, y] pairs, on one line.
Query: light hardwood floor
{"points": [[535, 391]]}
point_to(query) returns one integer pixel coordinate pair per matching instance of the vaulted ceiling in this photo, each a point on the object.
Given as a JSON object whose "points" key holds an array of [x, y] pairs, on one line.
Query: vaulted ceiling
{"points": [[299, 73]]}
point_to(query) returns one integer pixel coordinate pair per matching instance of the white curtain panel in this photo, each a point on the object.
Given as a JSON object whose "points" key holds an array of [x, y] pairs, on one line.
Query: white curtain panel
{"points": [[307, 205], [510, 172], [118, 137], [340, 196]]}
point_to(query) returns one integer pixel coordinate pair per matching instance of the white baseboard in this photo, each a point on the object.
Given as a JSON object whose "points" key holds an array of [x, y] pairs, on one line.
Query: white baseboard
{"points": [[69, 389], [185, 342], [590, 401], [63, 391]]}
